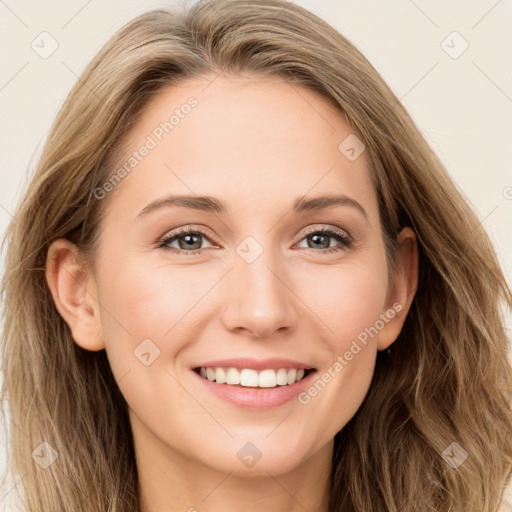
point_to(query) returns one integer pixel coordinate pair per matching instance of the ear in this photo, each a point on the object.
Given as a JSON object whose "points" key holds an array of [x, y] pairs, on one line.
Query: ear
{"points": [[403, 287], [74, 292]]}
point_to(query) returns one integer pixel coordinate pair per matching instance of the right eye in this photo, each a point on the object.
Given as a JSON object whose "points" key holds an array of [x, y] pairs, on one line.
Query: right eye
{"points": [[188, 241]]}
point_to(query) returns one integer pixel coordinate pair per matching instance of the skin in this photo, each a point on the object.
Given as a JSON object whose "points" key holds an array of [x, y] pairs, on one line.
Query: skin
{"points": [[258, 144]]}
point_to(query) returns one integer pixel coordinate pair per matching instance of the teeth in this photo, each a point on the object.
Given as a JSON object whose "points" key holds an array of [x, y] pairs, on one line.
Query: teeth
{"points": [[267, 379], [220, 375], [232, 376], [248, 377], [281, 377]]}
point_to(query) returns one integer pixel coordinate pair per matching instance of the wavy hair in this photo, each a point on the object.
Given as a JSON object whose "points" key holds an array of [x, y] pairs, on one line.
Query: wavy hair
{"points": [[447, 379]]}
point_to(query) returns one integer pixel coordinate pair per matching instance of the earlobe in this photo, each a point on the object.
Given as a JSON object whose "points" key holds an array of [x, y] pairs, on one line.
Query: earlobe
{"points": [[74, 293], [403, 288]]}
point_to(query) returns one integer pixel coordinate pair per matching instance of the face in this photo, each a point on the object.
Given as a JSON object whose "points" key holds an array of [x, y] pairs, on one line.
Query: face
{"points": [[261, 282]]}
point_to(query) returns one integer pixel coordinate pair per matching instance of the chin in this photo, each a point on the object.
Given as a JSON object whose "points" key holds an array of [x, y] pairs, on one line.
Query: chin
{"points": [[260, 456]]}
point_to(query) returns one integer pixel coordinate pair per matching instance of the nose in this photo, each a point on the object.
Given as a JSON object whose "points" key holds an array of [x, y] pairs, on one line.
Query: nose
{"points": [[259, 300]]}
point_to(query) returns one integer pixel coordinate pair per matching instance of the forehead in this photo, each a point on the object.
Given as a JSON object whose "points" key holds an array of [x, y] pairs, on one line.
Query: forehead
{"points": [[245, 138]]}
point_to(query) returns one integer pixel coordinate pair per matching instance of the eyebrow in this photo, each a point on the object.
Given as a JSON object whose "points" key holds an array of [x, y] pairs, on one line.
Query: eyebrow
{"points": [[214, 205]]}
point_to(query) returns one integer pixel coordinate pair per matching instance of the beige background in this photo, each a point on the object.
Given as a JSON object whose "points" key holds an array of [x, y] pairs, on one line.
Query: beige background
{"points": [[462, 103]]}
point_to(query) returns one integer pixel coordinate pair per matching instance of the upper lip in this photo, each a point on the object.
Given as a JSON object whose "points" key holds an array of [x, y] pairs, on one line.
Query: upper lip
{"points": [[255, 364]]}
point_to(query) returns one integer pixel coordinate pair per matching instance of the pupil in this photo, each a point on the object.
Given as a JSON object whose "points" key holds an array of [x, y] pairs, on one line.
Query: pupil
{"points": [[189, 241], [316, 237]]}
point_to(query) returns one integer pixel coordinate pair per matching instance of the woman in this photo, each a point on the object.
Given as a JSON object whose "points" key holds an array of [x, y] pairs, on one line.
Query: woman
{"points": [[241, 279]]}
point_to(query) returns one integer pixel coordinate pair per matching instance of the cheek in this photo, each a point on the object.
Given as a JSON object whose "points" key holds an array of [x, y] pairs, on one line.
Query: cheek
{"points": [[145, 326], [151, 301], [346, 299], [147, 301], [136, 307]]}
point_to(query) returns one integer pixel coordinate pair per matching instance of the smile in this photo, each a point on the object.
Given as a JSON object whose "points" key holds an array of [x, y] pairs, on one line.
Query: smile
{"points": [[248, 377], [250, 383]]}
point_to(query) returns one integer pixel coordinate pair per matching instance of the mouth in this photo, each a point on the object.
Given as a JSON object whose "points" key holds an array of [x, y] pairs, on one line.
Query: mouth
{"points": [[250, 377], [252, 384]]}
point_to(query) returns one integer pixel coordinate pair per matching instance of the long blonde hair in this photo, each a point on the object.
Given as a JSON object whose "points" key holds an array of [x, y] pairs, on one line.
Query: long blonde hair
{"points": [[447, 379]]}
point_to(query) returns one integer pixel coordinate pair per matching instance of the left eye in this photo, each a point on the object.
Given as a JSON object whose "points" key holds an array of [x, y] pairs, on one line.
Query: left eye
{"points": [[320, 238]]}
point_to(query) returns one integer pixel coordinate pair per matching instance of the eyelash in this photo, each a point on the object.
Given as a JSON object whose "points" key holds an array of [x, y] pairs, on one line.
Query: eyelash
{"points": [[338, 234]]}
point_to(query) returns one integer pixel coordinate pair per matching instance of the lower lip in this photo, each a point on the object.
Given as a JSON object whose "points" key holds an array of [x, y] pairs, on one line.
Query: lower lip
{"points": [[257, 398]]}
